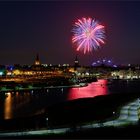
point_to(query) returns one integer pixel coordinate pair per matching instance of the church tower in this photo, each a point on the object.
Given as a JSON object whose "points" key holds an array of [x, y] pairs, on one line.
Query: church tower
{"points": [[76, 63], [37, 61]]}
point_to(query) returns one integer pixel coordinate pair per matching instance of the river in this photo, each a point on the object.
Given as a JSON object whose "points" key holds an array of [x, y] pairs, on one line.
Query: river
{"points": [[28, 103]]}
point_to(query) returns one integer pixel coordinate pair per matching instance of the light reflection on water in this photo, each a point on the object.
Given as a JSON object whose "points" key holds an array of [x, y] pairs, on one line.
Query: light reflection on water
{"points": [[92, 90], [8, 106], [24, 103]]}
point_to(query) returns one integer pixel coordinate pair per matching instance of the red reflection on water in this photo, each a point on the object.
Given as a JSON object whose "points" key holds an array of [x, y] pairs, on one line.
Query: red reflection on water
{"points": [[92, 90]]}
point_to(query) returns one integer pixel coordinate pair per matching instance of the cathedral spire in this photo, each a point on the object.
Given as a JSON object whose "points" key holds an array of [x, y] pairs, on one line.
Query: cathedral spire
{"points": [[37, 61], [76, 62]]}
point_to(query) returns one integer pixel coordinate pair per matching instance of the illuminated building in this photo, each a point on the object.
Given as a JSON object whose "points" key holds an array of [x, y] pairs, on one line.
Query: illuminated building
{"points": [[37, 65]]}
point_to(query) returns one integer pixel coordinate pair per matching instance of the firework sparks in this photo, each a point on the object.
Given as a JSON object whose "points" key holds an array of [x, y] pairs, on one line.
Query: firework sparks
{"points": [[88, 34]]}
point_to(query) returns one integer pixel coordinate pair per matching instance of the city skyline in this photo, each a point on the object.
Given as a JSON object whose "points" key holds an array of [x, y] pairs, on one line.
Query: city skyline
{"points": [[27, 28]]}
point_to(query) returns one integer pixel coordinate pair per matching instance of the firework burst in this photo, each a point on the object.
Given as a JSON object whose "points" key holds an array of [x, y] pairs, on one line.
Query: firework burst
{"points": [[88, 34]]}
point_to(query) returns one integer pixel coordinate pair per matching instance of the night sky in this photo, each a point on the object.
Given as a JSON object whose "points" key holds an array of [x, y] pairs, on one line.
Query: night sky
{"points": [[28, 28]]}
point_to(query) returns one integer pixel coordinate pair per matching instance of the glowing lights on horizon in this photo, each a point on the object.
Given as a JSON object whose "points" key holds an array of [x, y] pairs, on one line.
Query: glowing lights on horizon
{"points": [[109, 61], [88, 34], [1, 73], [104, 62], [115, 66]]}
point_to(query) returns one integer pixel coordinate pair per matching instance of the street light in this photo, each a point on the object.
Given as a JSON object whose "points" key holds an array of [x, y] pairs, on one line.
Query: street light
{"points": [[47, 119]]}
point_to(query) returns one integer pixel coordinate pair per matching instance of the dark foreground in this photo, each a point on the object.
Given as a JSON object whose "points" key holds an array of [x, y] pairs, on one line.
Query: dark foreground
{"points": [[71, 114], [131, 132]]}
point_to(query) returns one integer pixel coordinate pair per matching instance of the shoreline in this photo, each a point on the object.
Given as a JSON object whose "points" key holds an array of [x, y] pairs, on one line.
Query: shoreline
{"points": [[44, 87]]}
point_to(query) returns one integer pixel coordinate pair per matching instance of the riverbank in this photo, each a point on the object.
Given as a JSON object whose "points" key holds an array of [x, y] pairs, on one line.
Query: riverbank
{"points": [[19, 84], [129, 132], [87, 130], [18, 88]]}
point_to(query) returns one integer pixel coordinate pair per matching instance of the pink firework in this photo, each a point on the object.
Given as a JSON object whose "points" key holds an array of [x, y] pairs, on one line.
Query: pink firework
{"points": [[88, 34]]}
